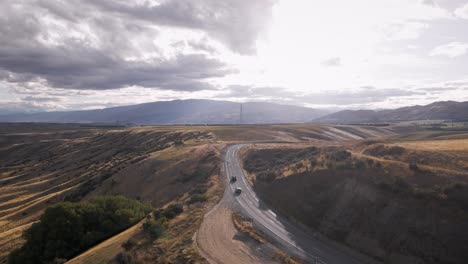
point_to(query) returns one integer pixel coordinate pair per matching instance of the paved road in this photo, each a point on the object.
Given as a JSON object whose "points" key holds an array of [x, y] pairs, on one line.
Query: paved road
{"points": [[287, 236]]}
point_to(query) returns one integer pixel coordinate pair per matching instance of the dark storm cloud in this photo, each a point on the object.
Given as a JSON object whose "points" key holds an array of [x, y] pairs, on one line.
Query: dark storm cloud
{"points": [[79, 67], [28, 51]]}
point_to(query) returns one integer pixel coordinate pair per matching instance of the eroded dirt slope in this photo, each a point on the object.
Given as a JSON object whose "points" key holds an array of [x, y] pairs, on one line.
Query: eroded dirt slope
{"points": [[389, 199]]}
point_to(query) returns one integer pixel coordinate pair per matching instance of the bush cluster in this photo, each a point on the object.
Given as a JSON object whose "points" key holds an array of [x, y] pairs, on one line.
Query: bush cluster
{"points": [[196, 198], [67, 229], [156, 227]]}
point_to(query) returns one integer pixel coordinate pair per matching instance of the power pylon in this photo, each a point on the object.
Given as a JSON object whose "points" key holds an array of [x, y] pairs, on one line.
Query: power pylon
{"points": [[241, 115]]}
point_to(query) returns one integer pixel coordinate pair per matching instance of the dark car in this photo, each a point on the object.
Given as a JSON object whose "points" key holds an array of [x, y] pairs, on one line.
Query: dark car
{"points": [[233, 179], [238, 191]]}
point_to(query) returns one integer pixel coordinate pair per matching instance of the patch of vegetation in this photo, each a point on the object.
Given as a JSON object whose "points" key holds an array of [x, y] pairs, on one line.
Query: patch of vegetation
{"points": [[271, 159], [66, 229], [170, 212], [199, 175], [284, 258], [381, 150], [266, 176], [244, 226], [129, 244], [197, 198], [340, 155], [156, 227], [413, 166], [123, 258]]}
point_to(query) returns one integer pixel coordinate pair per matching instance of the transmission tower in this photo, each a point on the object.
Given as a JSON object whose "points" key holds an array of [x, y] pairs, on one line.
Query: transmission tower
{"points": [[240, 115]]}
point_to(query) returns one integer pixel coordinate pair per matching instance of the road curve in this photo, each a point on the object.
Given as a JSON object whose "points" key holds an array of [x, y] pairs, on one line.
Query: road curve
{"points": [[284, 234]]}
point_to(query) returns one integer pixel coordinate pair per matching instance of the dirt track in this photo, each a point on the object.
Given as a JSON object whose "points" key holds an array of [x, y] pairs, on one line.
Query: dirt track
{"points": [[220, 242]]}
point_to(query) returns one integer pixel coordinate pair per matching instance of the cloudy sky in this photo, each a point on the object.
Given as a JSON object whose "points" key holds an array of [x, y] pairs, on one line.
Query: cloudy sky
{"points": [[83, 54]]}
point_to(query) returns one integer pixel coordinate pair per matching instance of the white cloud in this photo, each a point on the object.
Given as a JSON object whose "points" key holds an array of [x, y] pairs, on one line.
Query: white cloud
{"points": [[451, 50], [49, 45], [462, 12], [406, 30]]}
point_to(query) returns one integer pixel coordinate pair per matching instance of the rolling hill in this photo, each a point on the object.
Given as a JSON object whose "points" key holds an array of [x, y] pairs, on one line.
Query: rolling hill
{"points": [[447, 110], [178, 112]]}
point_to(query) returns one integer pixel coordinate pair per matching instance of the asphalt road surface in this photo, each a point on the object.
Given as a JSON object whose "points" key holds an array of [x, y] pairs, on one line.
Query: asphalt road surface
{"points": [[289, 237]]}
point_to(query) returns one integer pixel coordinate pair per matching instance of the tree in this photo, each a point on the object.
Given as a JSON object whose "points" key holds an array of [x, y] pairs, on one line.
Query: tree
{"points": [[66, 229]]}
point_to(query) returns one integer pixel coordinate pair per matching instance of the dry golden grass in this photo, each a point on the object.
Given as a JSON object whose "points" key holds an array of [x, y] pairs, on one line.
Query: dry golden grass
{"points": [[375, 182], [285, 258], [39, 168], [246, 227], [437, 145], [283, 133], [105, 251], [177, 245]]}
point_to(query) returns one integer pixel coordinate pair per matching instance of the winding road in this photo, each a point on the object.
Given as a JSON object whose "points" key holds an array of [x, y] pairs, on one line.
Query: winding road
{"points": [[287, 236]]}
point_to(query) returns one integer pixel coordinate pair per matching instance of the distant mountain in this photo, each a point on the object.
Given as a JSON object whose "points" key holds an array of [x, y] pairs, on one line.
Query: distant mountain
{"points": [[178, 112], [448, 110]]}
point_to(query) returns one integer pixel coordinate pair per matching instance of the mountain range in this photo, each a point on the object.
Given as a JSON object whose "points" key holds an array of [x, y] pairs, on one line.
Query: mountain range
{"points": [[191, 111], [444, 110], [195, 111]]}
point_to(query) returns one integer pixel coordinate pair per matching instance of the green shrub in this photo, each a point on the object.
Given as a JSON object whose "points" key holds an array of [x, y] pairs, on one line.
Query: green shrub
{"points": [[170, 212], [199, 190], [155, 228], [173, 211], [67, 229], [198, 198]]}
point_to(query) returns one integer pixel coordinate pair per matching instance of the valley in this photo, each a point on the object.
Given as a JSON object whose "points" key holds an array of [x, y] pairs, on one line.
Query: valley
{"points": [[333, 175]]}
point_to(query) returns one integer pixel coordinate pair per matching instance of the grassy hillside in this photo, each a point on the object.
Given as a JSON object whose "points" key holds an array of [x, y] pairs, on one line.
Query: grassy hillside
{"points": [[41, 166], [67, 229], [398, 200], [44, 164]]}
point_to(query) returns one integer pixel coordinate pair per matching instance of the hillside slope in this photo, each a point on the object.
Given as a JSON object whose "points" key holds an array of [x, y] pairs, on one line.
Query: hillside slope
{"points": [[448, 110], [47, 164], [178, 112], [398, 201]]}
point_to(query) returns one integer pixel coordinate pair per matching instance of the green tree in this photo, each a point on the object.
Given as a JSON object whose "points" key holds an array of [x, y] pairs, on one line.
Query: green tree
{"points": [[66, 229]]}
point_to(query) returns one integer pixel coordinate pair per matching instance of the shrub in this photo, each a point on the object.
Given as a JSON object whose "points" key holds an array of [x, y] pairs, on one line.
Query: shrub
{"points": [[155, 229], [129, 244], [198, 198], [413, 166], [359, 164], [266, 176], [198, 175], [66, 229], [123, 258], [199, 190], [173, 211], [340, 155], [170, 212]]}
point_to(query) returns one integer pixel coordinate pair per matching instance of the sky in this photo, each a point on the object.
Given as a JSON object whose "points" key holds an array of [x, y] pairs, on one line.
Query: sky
{"points": [[370, 54]]}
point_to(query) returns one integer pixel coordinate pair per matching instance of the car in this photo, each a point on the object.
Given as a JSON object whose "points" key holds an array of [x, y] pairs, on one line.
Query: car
{"points": [[238, 191], [233, 179]]}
